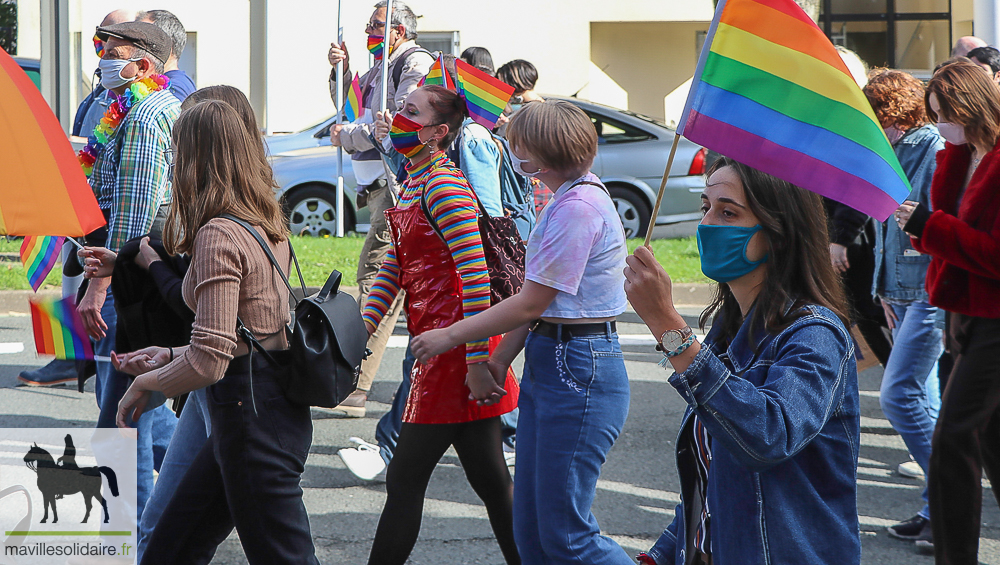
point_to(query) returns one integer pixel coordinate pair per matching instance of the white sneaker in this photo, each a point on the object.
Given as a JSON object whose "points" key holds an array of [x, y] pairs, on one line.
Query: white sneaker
{"points": [[509, 455], [365, 461], [911, 470]]}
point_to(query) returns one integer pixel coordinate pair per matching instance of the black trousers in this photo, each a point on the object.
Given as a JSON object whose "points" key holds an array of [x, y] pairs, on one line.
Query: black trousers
{"points": [[966, 439], [247, 476]]}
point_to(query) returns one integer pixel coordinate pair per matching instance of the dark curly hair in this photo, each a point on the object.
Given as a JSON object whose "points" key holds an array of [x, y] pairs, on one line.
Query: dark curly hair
{"points": [[897, 98]]}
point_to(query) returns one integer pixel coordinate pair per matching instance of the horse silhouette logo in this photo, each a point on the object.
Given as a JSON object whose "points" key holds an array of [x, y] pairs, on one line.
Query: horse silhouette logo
{"points": [[57, 479]]}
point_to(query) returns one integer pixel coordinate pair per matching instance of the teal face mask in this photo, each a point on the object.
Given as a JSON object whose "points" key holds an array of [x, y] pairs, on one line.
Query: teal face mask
{"points": [[723, 251]]}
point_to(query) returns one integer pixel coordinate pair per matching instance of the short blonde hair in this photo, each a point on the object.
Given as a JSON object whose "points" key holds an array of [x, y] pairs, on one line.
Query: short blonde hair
{"points": [[557, 134]]}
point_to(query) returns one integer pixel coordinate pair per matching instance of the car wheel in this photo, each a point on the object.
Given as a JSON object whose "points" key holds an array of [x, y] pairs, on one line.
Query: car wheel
{"points": [[632, 209], [312, 211]]}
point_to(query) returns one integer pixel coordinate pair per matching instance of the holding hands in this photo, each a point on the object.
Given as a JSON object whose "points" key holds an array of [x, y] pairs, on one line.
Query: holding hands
{"points": [[485, 380]]}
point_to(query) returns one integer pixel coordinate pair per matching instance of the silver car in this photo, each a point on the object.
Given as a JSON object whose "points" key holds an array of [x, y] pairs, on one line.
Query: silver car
{"points": [[631, 155]]}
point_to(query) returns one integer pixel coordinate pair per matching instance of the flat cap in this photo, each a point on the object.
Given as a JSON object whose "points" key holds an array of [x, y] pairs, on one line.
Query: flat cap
{"points": [[141, 34]]}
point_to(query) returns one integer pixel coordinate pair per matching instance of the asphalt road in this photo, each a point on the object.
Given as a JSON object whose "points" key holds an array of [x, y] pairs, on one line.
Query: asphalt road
{"points": [[636, 494]]}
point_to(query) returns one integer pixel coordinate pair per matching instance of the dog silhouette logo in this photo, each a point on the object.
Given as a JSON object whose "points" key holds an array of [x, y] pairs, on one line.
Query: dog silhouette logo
{"points": [[57, 479]]}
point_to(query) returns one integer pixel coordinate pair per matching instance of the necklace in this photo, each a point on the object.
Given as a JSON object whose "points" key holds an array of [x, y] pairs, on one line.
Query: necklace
{"points": [[116, 112]]}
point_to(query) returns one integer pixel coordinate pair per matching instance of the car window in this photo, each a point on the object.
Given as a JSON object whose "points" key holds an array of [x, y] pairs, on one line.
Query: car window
{"points": [[613, 131]]}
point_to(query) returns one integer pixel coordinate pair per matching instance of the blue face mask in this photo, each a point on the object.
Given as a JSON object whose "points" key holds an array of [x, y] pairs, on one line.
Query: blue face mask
{"points": [[723, 251]]}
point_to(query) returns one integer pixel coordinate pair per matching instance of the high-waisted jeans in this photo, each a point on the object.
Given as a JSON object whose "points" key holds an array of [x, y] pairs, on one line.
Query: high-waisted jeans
{"points": [[574, 401], [246, 476], [909, 394]]}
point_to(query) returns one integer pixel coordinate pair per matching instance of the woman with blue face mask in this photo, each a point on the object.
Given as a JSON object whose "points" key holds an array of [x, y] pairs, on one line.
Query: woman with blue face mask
{"points": [[768, 449]]}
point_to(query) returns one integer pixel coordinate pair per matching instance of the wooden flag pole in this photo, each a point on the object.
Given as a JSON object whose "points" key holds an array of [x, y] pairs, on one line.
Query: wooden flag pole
{"points": [[663, 187], [340, 120], [390, 175]]}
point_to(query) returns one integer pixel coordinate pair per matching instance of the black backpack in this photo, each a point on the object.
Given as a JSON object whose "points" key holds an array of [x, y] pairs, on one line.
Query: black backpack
{"points": [[328, 338]]}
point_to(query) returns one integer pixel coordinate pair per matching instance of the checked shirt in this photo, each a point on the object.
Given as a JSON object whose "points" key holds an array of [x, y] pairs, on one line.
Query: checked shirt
{"points": [[130, 176]]}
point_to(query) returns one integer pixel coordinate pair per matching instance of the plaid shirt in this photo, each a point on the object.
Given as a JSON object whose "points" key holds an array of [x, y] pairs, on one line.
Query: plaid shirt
{"points": [[130, 175]]}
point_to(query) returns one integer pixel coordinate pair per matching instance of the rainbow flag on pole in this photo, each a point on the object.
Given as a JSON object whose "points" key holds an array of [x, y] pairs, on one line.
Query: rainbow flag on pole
{"points": [[485, 96], [772, 92], [354, 106], [59, 329], [39, 254], [438, 75]]}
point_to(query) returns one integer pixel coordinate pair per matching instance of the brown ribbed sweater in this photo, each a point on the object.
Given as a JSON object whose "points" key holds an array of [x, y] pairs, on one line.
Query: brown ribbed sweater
{"points": [[229, 275]]}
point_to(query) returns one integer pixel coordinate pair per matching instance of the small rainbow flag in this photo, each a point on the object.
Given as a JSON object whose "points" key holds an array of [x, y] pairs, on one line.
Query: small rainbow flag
{"points": [[354, 107], [59, 329], [39, 254], [772, 92], [438, 75], [485, 96]]}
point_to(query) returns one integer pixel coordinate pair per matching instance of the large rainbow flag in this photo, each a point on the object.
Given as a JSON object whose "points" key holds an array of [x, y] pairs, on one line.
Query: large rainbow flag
{"points": [[42, 189], [39, 254], [772, 92], [59, 329], [485, 96]]}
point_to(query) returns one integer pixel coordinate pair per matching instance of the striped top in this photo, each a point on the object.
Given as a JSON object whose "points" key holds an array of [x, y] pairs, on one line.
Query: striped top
{"points": [[450, 201], [703, 456]]}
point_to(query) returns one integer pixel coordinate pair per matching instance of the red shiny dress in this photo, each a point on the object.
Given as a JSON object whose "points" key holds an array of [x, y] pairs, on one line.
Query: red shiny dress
{"points": [[438, 394]]}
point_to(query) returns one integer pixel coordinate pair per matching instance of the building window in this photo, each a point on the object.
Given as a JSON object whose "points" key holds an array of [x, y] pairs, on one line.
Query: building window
{"points": [[904, 34], [443, 41]]}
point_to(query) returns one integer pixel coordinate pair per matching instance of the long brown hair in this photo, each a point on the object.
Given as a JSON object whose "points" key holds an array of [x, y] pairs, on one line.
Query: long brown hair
{"points": [[798, 265], [968, 97], [218, 170]]}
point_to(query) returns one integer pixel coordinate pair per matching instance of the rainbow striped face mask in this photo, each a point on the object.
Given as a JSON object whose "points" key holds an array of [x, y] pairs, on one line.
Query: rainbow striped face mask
{"points": [[375, 46], [405, 135]]}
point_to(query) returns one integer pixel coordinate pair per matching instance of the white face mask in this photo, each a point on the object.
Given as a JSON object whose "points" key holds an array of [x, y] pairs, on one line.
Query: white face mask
{"points": [[111, 72], [518, 166], [952, 133]]}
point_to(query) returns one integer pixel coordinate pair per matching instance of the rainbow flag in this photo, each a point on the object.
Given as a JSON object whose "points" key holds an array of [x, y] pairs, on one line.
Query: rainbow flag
{"points": [[59, 329], [354, 107], [485, 96], [39, 254], [43, 190], [439, 76], [772, 92]]}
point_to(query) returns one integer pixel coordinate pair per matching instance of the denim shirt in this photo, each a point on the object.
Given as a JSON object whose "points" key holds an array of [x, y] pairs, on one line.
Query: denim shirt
{"points": [[785, 427], [480, 161], [900, 271]]}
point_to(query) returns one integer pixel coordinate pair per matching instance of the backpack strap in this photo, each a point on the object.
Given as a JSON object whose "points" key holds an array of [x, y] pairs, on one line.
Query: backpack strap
{"points": [[430, 218], [397, 65], [270, 256]]}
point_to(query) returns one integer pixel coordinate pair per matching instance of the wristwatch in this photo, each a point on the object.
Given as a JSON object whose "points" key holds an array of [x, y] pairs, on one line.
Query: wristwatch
{"points": [[673, 340]]}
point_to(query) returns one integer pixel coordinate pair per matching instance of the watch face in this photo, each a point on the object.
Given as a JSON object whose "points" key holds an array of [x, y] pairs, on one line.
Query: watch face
{"points": [[672, 340]]}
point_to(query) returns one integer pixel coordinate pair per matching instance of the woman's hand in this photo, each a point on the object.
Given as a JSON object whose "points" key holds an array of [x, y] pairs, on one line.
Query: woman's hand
{"points": [[133, 404], [650, 292], [147, 255], [98, 262], [890, 315], [431, 344], [483, 386], [904, 212], [838, 257], [383, 123], [141, 361]]}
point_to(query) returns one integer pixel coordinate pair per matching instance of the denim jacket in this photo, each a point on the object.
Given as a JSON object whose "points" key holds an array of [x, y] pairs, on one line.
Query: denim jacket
{"points": [[785, 427], [900, 271]]}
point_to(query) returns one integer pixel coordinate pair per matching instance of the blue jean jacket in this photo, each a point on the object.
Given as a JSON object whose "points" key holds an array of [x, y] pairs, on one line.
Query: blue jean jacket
{"points": [[900, 271], [785, 427]]}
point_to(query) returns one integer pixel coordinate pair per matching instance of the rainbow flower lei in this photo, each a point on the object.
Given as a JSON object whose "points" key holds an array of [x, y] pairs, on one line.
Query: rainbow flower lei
{"points": [[116, 112]]}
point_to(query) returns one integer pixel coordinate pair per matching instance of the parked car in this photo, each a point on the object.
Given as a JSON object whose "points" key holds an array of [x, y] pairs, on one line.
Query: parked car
{"points": [[631, 155]]}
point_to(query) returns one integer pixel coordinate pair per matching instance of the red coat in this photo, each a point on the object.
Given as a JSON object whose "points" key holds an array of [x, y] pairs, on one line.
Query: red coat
{"points": [[963, 238]]}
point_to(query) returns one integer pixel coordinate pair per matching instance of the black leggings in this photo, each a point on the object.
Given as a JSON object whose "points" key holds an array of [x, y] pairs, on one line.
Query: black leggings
{"points": [[480, 449]]}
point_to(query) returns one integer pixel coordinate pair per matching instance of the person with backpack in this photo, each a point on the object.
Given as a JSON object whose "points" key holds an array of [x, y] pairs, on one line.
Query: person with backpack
{"points": [[248, 474], [437, 256], [408, 63]]}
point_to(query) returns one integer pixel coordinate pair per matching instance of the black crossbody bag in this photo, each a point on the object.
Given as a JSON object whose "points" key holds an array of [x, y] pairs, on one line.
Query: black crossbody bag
{"points": [[328, 337]]}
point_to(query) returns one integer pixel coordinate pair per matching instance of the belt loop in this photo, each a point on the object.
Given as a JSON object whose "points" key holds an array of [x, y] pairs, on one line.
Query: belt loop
{"points": [[607, 330], [559, 329]]}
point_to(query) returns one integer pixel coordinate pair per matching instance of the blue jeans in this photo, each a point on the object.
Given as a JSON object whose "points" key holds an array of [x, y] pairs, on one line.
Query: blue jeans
{"points": [[387, 430], [193, 429], [909, 394], [574, 401], [154, 427]]}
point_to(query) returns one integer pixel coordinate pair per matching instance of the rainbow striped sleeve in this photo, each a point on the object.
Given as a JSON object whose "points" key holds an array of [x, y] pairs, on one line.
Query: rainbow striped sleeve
{"points": [[449, 198], [383, 292]]}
